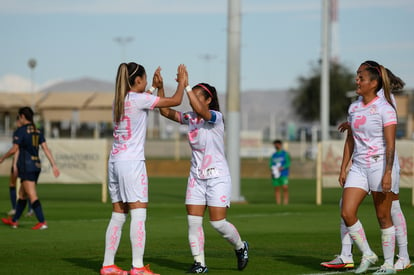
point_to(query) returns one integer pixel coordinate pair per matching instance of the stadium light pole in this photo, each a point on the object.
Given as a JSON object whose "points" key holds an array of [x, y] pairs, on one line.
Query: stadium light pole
{"points": [[32, 65], [324, 104], [233, 96], [123, 41], [324, 115]]}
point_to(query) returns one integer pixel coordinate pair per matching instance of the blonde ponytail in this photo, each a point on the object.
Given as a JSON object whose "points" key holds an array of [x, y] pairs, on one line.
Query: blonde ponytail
{"points": [[121, 89], [386, 85]]}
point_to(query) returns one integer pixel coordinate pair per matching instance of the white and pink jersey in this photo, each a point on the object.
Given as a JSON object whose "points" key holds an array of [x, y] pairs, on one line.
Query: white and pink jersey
{"points": [[206, 140], [367, 123], [129, 133]]}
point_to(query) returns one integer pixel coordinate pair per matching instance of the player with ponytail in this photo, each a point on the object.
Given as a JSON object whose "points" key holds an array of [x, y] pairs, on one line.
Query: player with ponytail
{"points": [[209, 182], [128, 180], [26, 142]]}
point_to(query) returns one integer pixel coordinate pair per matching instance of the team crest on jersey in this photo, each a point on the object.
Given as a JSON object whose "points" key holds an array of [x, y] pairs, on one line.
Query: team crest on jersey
{"points": [[373, 109], [375, 157]]}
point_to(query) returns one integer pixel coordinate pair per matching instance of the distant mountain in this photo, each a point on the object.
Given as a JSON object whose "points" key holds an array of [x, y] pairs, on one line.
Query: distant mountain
{"points": [[82, 84], [259, 109]]}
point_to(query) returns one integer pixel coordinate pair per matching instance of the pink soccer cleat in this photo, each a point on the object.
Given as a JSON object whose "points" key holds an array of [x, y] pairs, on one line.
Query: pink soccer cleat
{"points": [[9, 221], [142, 271], [40, 226], [113, 270]]}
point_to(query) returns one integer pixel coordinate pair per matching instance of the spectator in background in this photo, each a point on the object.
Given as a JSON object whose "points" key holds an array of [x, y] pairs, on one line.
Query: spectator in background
{"points": [[279, 165]]}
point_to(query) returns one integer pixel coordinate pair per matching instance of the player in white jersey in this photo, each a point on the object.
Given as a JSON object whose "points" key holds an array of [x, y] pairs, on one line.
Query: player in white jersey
{"points": [[345, 258], [371, 144], [128, 181], [209, 183]]}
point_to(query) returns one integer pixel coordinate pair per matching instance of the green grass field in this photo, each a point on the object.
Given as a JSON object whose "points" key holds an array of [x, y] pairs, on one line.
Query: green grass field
{"points": [[291, 239]]}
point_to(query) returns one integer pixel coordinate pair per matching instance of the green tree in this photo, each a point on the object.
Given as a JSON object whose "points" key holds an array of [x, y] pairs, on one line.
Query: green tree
{"points": [[307, 96]]}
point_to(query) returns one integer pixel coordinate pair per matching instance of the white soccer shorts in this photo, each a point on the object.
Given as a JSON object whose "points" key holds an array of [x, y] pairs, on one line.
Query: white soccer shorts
{"points": [[128, 181], [211, 192], [370, 179]]}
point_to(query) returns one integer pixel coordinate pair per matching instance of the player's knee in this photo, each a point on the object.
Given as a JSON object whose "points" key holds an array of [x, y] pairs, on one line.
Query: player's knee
{"points": [[348, 217], [384, 220], [218, 225]]}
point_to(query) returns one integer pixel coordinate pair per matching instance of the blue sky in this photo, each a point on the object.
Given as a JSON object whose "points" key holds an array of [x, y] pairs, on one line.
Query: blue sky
{"points": [[72, 39]]}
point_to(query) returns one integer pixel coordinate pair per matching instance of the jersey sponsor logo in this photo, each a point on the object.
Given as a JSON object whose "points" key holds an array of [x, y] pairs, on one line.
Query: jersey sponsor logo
{"points": [[360, 120], [376, 157], [209, 172]]}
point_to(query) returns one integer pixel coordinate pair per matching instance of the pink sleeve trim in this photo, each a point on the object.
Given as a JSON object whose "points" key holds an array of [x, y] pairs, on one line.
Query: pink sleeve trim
{"points": [[390, 123], [155, 103]]}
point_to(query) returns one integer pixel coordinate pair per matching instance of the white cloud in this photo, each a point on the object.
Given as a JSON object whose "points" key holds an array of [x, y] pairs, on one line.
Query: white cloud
{"points": [[18, 84], [14, 83]]}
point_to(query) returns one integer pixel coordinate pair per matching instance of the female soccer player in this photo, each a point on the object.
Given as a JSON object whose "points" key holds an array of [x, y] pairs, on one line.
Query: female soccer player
{"points": [[26, 142], [13, 183], [128, 181], [371, 144], [209, 183], [345, 258]]}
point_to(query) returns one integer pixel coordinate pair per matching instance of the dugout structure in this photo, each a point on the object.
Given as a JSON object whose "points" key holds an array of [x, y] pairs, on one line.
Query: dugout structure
{"points": [[329, 164]]}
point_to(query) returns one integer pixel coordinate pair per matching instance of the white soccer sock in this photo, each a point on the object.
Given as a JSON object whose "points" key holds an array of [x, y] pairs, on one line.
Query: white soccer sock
{"points": [[138, 236], [229, 232], [388, 244], [346, 251], [357, 234], [196, 238], [113, 236], [400, 225]]}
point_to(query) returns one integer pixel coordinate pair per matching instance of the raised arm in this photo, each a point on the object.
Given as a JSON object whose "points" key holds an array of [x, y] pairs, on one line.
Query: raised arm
{"points": [[176, 99], [165, 111], [198, 107]]}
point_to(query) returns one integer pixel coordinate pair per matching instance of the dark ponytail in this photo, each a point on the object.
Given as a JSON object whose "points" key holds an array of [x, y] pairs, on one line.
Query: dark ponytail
{"points": [[28, 113]]}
